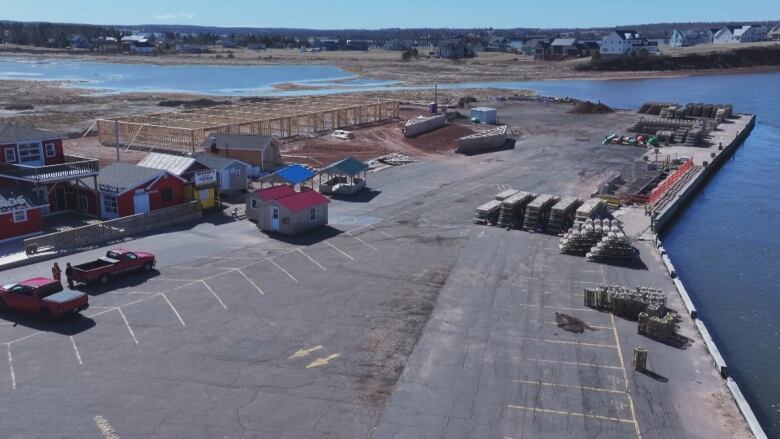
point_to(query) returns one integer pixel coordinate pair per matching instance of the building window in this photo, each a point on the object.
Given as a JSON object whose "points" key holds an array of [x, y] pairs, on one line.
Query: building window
{"points": [[253, 203], [51, 150], [166, 194], [20, 216], [109, 204], [29, 153], [10, 155], [313, 214]]}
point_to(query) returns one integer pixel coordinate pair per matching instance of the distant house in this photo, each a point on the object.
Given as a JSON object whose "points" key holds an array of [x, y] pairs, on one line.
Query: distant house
{"points": [[106, 44], [588, 48], [740, 34], [564, 48], [79, 42], [691, 37], [529, 46], [189, 48], [264, 152], [124, 189], [282, 210], [498, 44], [256, 46], [201, 181], [774, 34], [626, 42], [455, 49], [144, 48], [543, 50]]}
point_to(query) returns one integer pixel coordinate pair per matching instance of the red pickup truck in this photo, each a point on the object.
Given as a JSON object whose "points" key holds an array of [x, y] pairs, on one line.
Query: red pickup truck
{"points": [[114, 263], [42, 296]]}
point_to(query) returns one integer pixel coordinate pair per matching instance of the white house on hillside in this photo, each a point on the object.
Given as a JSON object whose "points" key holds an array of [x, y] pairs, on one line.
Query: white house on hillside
{"points": [[740, 34], [685, 38], [625, 42]]}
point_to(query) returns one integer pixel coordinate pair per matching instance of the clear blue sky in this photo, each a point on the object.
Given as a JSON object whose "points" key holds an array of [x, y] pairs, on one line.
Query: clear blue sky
{"points": [[372, 14]]}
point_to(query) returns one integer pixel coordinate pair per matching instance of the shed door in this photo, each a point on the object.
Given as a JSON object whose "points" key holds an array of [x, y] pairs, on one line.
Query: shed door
{"points": [[275, 218], [141, 202], [226, 180]]}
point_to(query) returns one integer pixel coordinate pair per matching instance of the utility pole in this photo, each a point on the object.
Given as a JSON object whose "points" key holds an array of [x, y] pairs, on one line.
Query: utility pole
{"points": [[116, 139]]}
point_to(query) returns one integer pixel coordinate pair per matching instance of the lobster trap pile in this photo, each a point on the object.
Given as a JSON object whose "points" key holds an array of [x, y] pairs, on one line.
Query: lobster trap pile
{"points": [[614, 247], [645, 305], [583, 235]]}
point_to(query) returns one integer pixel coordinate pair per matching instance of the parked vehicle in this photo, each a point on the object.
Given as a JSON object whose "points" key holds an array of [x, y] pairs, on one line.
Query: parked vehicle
{"points": [[42, 296], [114, 263]]}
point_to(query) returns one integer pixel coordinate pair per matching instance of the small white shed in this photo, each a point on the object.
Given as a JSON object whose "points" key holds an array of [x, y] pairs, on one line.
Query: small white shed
{"points": [[485, 115]]}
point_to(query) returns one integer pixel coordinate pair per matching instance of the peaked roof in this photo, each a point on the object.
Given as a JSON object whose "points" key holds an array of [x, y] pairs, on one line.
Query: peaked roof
{"points": [[294, 174], [249, 142], [174, 164], [563, 42], [775, 29], [10, 133], [293, 201], [123, 176], [347, 166], [216, 162], [275, 192], [626, 34]]}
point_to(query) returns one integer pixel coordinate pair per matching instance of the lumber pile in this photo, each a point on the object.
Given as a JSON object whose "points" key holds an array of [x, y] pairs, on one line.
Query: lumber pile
{"points": [[537, 212], [513, 209], [503, 195], [562, 214], [487, 213], [593, 208]]}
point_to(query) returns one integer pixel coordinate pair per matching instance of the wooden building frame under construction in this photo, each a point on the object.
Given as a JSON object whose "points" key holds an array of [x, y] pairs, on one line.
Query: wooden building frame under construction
{"points": [[184, 132]]}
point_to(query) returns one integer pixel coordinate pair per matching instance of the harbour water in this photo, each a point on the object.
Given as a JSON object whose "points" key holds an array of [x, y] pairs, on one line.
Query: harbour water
{"points": [[725, 244]]}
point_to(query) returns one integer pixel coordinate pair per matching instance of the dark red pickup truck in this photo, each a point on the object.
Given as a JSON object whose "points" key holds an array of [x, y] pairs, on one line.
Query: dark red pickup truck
{"points": [[42, 296], [114, 263]]}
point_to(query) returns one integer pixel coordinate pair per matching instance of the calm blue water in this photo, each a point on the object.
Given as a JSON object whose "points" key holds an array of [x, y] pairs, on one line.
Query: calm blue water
{"points": [[725, 244]]}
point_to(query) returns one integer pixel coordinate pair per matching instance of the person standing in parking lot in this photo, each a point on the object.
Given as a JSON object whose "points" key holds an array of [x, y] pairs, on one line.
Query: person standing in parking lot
{"points": [[69, 274], [56, 272]]}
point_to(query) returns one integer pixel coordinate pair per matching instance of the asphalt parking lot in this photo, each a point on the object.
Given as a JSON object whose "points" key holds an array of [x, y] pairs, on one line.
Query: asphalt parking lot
{"points": [[400, 320]]}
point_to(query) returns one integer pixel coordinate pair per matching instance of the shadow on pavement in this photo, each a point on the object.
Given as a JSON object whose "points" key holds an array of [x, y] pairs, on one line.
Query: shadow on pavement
{"points": [[71, 324], [125, 281], [307, 239], [364, 196]]}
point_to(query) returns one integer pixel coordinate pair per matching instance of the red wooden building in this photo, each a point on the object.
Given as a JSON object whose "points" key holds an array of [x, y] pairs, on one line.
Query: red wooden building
{"points": [[124, 189], [34, 166], [21, 213]]}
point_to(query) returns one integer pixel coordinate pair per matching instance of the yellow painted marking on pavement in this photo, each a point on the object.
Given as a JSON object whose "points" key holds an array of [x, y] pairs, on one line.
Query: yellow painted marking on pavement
{"points": [[178, 316], [561, 412], [251, 282], [312, 259], [574, 363], [571, 386], [11, 366], [285, 271], [127, 325], [322, 361], [105, 428], [340, 251], [76, 350], [214, 294], [304, 352]]}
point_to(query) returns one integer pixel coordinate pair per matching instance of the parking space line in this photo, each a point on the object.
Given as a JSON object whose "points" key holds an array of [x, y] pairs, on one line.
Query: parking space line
{"points": [[285, 271], [546, 340], [382, 232], [11, 366], [574, 363], [178, 316], [364, 242], [24, 338], [339, 250], [127, 324], [250, 281], [312, 259], [560, 412], [124, 292], [591, 326], [571, 386], [533, 305], [215, 294], [105, 428], [76, 350]]}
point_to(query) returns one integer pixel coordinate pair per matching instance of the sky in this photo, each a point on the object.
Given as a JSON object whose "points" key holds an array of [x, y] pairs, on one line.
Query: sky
{"points": [[372, 14]]}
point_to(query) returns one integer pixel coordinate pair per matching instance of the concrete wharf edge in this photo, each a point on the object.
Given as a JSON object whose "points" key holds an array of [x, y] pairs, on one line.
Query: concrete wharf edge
{"points": [[662, 220]]}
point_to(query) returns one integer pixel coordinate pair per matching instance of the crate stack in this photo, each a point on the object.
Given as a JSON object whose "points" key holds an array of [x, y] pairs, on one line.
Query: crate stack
{"points": [[503, 195], [487, 213], [614, 247], [593, 208], [562, 214], [655, 108], [582, 236], [513, 209], [538, 212], [627, 302], [657, 327]]}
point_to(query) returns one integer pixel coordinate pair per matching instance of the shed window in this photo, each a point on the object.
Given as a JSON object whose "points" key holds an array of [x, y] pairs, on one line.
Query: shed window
{"points": [[253, 203], [20, 216], [313, 214], [166, 194], [109, 204], [51, 150], [10, 155]]}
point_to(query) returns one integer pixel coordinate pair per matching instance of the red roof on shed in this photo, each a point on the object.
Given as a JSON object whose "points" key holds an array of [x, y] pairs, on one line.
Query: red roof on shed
{"points": [[274, 193], [303, 200]]}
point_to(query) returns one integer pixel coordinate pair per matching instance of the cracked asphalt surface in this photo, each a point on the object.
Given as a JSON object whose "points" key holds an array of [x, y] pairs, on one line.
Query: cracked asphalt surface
{"points": [[400, 320]]}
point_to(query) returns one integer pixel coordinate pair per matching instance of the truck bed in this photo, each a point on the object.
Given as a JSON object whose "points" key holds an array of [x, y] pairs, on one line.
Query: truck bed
{"points": [[94, 265]]}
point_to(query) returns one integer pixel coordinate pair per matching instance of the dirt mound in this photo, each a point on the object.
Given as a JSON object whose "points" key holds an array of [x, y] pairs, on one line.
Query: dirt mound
{"points": [[195, 103], [588, 107], [442, 139], [571, 323]]}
